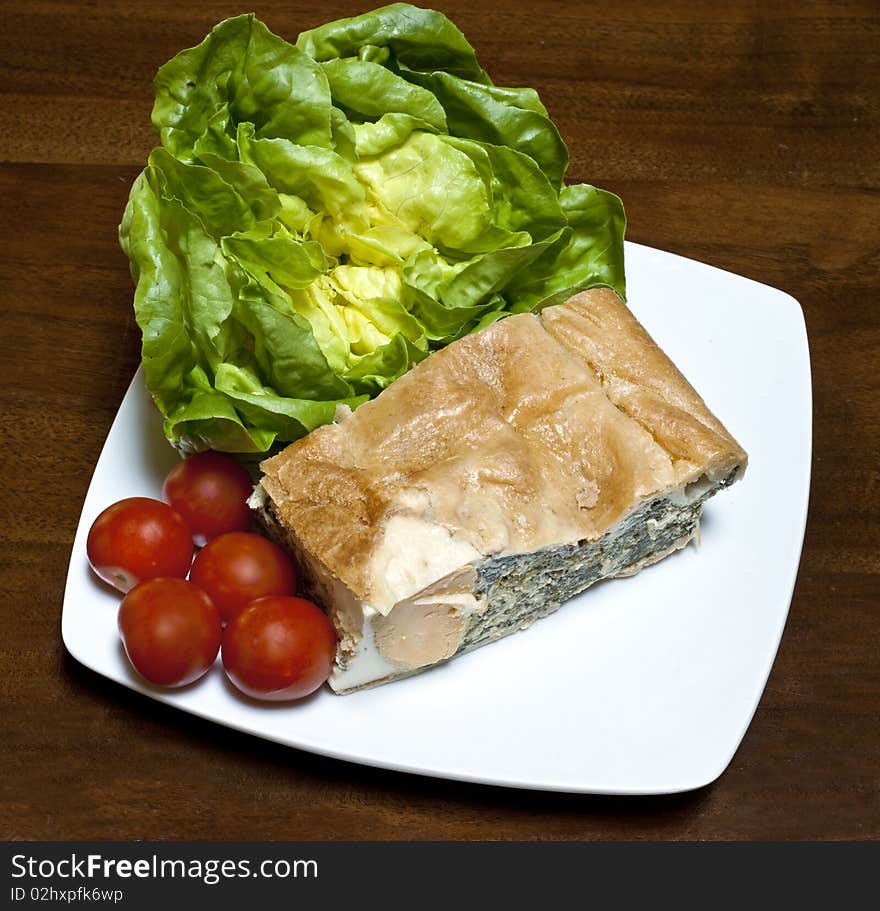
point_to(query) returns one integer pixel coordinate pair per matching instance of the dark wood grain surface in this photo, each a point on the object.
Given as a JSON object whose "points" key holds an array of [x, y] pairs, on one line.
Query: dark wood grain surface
{"points": [[744, 134]]}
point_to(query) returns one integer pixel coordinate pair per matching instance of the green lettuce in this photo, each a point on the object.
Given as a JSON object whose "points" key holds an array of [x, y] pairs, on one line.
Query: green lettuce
{"points": [[321, 215]]}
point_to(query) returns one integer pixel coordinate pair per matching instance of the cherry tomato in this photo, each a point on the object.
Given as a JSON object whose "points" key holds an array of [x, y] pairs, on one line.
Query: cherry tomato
{"points": [[279, 648], [170, 629], [210, 490], [238, 567], [138, 539]]}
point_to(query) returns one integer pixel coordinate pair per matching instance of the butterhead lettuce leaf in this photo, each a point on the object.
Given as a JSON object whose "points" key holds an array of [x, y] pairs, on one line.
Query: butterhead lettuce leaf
{"points": [[320, 215]]}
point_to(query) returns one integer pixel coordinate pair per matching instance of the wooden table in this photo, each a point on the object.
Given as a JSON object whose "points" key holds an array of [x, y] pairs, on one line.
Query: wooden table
{"points": [[743, 134]]}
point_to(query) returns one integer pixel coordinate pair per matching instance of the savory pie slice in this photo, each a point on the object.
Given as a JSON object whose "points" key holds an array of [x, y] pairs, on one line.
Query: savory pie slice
{"points": [[501, 476]]}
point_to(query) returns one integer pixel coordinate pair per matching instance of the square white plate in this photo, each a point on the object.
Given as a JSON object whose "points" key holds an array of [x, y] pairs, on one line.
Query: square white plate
{"points": [[643, 685]]}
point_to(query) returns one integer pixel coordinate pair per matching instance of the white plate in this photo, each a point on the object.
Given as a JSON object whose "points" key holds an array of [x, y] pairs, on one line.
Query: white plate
{"points": [[643, 685]]}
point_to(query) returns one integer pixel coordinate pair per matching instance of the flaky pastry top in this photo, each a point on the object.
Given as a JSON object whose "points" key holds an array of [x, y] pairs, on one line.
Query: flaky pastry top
{"points": [[535, 431]]}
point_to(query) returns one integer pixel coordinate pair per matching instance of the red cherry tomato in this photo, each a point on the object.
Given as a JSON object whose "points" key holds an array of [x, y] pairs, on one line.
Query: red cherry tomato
{"points": [[279, 648], [210, 490], [236, 568], [171, 631], [138, 539]]}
